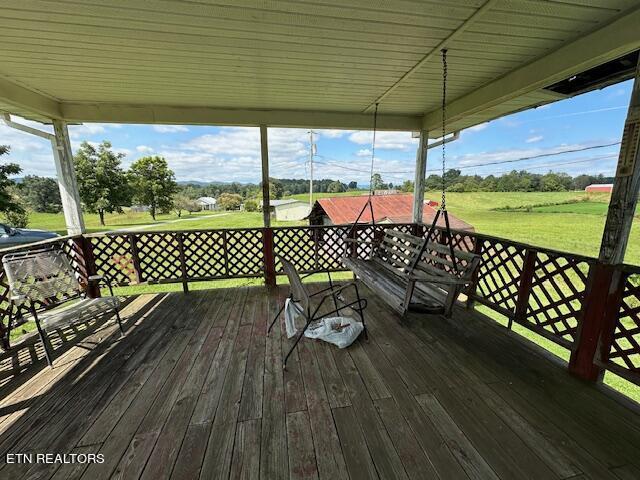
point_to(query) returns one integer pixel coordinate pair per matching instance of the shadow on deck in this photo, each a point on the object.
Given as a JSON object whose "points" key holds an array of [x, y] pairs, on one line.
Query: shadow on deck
{"points": [[196, 389]]}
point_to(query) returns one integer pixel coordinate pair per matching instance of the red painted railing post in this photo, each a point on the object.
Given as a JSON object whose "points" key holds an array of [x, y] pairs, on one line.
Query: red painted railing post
{"points": [[526, 283], [471, 290], [598, 317], [269, 257], [85, 248]]}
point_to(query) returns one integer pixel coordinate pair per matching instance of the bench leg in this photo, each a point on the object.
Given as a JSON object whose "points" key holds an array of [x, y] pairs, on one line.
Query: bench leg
{"points": [[119, 322], [407, 297], [452, 296], [43, 337]]}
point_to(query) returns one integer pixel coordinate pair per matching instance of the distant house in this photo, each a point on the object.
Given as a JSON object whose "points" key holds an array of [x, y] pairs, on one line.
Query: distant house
{"points": [[140, 208], [599, 187], [207, 203], [386, 209], [290, 209]]}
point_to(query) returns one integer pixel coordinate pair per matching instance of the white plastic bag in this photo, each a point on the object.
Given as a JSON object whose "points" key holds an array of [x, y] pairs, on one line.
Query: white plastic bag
{"points": [[328, 329]]}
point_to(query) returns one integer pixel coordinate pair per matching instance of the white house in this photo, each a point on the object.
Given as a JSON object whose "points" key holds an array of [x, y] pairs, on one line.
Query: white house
{"points": [[207, 203], [290, 209]]}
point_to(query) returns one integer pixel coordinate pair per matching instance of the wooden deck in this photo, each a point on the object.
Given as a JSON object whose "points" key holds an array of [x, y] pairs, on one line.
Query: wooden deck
{"points": [[196, 390]]}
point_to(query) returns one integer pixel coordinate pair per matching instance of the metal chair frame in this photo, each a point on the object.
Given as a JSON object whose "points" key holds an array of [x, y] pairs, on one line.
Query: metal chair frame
{"points": [[311, 314]]}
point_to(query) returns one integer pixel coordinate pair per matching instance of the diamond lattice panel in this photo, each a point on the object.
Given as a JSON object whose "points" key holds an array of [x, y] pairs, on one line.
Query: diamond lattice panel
{"points": [[557, 294], [244, 252], [297, 245], [499, 273], [205, 254], [625, 349], [112, 255], [159, 256]]}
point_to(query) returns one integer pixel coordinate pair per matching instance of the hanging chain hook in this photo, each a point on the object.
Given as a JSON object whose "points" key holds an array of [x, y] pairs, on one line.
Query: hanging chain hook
{"points": [[444, 120]]}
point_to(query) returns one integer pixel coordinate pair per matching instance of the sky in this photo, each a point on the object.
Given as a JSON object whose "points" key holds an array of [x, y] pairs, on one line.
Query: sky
{"points": [[233, 153]]}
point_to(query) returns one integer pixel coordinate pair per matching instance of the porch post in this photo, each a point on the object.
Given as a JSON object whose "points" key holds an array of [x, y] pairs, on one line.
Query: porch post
{"points": [[421, 171], [625, 186], [267, 232], [604, 283], [63, 158], [264, 153]]}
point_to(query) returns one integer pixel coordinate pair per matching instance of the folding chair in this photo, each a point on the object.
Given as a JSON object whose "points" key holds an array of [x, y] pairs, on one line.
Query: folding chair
{"points": [[311, 303]]}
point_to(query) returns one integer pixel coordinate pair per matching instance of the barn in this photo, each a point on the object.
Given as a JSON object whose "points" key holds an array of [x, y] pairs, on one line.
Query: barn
{"points": [[386, 209], [599, 187]]}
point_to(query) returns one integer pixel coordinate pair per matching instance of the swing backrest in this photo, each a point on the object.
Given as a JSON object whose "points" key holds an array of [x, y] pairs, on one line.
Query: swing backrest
{"points": [[399, 250]]}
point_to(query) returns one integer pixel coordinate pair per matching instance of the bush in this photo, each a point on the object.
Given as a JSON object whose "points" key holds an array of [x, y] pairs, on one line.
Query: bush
{"points": [[251, 206], [17, 219]]}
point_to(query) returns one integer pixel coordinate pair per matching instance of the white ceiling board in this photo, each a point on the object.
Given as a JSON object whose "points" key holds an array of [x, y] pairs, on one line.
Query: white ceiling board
{"points": [[145, 59]]}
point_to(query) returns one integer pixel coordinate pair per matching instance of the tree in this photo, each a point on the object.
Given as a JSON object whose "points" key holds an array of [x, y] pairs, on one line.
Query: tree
{"points": [[102, 182], [8, 201], [182, 202], [229, 201], [41, 194], [153, 184], [336, 187], [407, 186], [250, 205], [376, 182], [353, 185]]}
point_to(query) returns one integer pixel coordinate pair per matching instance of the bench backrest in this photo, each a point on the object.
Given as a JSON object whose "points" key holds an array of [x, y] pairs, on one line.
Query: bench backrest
{"points": [[41, 276], [400, 249]]}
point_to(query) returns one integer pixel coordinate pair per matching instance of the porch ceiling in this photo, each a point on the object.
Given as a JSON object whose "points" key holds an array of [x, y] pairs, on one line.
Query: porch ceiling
{"points": [[299, 63]]}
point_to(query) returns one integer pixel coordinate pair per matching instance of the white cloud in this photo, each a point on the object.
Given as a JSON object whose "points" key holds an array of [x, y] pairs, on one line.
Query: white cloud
{"points": [[479, 127], [534, 139], [334, 133], [386, 140], [363, 152], [144, 149], [170, 128]]}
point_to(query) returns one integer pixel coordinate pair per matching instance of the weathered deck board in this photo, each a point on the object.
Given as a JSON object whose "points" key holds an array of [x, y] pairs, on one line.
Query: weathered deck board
{"points": [[196, 390]]}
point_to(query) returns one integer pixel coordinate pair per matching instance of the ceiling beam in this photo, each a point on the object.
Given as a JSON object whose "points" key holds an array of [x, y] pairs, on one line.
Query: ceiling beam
{"points": [[609, 42], [81, 112], [27, 100]]}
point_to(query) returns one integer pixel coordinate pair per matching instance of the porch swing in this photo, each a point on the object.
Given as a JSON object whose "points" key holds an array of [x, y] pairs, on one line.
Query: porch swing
{"points": [[408, 272]]}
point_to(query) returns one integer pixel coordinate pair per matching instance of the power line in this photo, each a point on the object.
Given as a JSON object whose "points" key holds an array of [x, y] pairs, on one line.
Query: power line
{"points": [[475, 165], [532, 157], [587, 160]]}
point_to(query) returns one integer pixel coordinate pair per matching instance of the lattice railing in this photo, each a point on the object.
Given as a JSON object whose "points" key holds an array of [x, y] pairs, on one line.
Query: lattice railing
{"points": [[623, 355], [543, 290]]}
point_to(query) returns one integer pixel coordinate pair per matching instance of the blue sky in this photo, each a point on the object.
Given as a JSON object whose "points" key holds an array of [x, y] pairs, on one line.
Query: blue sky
{"points": [[232, 154]]}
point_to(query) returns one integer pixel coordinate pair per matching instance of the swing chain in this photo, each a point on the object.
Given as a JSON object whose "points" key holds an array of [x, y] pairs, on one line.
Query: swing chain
{"points": [[444, 119]]}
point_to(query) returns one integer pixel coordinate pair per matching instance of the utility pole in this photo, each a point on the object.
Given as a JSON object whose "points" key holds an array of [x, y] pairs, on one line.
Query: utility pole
{"points": [[312, 151]]}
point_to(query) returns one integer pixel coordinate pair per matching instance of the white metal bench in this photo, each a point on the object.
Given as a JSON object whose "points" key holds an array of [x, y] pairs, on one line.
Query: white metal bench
{"points": [[406, 274], [45, 283]]}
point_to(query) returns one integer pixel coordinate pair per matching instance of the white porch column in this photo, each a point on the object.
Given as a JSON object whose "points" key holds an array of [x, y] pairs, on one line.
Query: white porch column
{"points": [[624, 197], [264, 153], [421, 171], [63, 158]]}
